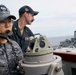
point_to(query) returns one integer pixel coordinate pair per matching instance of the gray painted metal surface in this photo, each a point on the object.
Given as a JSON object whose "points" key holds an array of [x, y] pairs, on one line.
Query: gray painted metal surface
{"points": [[39, 60]]}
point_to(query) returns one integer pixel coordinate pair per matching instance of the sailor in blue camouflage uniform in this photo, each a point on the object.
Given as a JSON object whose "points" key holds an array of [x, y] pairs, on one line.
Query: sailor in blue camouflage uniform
{"points": [[21, 32], [10, 51]]}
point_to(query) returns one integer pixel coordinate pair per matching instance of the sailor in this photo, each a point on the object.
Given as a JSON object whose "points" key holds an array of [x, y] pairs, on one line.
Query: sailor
{"points": [[10, 52], [21, 32]]}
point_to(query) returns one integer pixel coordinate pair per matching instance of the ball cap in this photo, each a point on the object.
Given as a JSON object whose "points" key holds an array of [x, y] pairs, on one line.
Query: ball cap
{"points": [[5, 13], [28, 10]]}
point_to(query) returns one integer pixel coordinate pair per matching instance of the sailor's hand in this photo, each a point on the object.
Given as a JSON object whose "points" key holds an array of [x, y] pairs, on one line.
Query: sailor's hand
{"points": [[28, 49]]}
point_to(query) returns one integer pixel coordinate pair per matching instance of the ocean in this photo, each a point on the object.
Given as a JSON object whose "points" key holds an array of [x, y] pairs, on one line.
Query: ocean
{"points": [[55, 41]]}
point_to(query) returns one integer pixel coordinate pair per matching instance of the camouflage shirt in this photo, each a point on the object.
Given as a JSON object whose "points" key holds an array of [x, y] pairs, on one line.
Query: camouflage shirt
{"points": [[10, 54]]}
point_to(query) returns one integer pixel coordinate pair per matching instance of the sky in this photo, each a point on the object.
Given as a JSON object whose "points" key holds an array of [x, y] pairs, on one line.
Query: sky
{"points": [[56, 17]]}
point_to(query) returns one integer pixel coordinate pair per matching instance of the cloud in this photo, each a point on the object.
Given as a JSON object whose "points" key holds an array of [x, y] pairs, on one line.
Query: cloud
{"points": [[55, 18]]}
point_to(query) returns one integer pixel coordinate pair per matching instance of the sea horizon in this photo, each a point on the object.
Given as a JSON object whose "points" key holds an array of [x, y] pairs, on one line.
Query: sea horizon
{"points": [[55, 41]]}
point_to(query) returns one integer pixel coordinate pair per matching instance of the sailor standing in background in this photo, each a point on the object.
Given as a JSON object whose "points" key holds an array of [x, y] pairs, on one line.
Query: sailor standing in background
{"points": [[21, 32]]}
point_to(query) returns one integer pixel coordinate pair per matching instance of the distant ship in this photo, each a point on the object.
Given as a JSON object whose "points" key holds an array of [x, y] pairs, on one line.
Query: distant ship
{"points": [[69, 43]]}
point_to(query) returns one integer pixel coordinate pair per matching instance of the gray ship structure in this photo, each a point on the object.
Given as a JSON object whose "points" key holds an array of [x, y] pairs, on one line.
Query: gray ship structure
{"points": [[39, 59], [67, 51], [69, 42]]}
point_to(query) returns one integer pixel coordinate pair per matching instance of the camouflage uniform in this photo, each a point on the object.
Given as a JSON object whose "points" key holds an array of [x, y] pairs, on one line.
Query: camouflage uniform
{"points": [[10, 54]]}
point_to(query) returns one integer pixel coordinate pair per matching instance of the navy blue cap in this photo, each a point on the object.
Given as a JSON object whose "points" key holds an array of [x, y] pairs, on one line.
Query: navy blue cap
{"points": [[5, 13], [28, 10]]}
